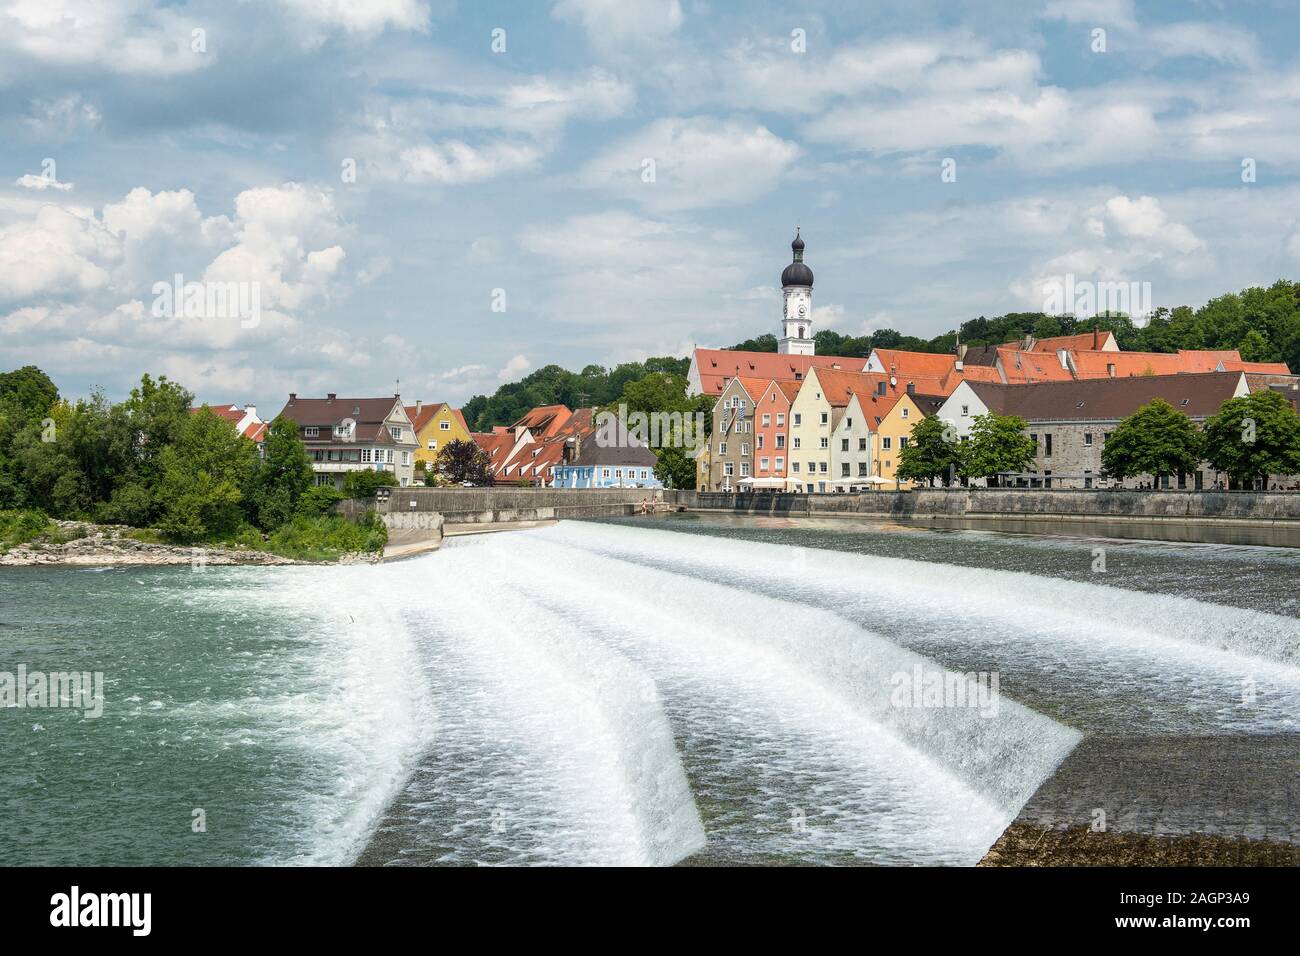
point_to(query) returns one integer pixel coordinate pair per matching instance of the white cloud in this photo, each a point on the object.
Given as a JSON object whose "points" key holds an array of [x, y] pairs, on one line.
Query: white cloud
{"points": [[1214, 41], [365, 17], [31, 181], [61, 251], [697, 163], [132, 37], [514, 368], [615, 25]]}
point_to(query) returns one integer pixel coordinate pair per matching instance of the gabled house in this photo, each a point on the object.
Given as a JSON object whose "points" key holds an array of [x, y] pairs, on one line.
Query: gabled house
{"points": [[607, 456], [731, 455], [436, 425], [354, 434]]}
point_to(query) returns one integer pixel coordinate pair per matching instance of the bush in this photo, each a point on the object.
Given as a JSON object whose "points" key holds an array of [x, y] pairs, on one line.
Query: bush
{"points": [[319, 500], [19, 527], [327, 538], [131, 504], [362, 484]]}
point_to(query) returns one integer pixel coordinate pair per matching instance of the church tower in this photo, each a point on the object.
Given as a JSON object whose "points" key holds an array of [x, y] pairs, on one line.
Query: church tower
{"points": [[796, 322]]}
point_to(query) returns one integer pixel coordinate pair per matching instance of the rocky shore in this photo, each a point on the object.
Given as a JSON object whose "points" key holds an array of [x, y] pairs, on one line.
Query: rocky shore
{"points": [[84, 544]]}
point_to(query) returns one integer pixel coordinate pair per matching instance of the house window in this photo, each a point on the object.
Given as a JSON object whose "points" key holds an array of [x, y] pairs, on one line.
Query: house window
{"points": [[744, 469], [902, 442], [886, 443], [965, 410], [880, 388], [812, 467], [862, 469], [395, 431], [825, 442], [822, 467], [762, 464], [618, 472], [862, 444], [780, 464], [1087, 438], [365, 454], [780, 419], [728, 468], [406, 458], [311, 431], [794, 467], [825, 417], [844, 470], [760, 443], [780, 441], [798, 418], [722, 448], [1047, 453], [796, 443], [850, 423], [433, 443], [445, 426], [744, 449], [767, 418], [903, 412], [604, 473], [390, 456], [844, 444]]}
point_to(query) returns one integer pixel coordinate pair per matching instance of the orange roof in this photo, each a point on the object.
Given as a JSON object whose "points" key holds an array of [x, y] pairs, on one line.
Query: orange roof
{"points": [[1084, 340], [231, 413], [460, 417], [1205, 360], [1024, 367], [1264, 368], [718, 366], [426, 413], [1089, 364], [974, 373], [755, 386], [544, 420], [256, 432], [925, 364]]}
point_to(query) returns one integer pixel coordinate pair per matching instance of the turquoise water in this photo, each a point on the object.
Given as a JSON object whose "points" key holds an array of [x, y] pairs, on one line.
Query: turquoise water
{"points": [[643, 692]]}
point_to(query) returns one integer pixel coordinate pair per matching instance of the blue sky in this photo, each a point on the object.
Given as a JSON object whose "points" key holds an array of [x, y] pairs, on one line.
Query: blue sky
{"points": [[222, 158]]}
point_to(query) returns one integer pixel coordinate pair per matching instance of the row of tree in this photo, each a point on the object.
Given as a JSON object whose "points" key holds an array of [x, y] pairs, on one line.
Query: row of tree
{"points": [[150, 462], [1252, 437]]}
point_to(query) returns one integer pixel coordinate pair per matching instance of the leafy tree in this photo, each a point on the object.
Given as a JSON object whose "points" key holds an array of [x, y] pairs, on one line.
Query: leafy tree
{"points": [[281, 478], [933, 452], [203, 476], [997, 443], [1254, 436], [364, 484], [460, 461], [1155, 440]]}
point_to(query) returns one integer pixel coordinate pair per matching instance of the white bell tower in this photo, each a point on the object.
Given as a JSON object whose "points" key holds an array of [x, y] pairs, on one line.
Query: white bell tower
{"points": [[796, 320]]}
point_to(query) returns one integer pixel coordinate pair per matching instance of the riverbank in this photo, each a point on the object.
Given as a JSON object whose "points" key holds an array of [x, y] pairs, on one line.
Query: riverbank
{"points": [[84, 544]]}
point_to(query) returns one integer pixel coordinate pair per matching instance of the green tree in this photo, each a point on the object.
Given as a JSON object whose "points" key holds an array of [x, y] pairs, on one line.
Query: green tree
{"points": [[933, 452], [1155, 440], [460, 461], [281, 478], [997, 443], [204, 474], [364, 484], [1254, 436]]}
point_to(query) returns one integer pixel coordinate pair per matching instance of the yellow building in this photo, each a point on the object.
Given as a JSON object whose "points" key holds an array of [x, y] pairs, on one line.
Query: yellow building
{"points": [[436, 425], [890, 436]]}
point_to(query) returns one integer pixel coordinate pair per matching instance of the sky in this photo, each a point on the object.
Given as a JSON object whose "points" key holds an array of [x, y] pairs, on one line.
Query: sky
{"points": [[448, 195]]}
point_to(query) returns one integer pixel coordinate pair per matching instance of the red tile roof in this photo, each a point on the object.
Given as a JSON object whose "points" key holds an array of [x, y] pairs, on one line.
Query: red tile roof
{"points": [[718, 366]]}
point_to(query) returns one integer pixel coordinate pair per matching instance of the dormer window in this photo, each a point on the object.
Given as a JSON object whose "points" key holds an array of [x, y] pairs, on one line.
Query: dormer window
{"points": [[311, 431]]}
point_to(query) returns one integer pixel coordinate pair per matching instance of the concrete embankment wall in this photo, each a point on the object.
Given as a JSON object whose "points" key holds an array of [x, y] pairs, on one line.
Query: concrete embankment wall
{"points": [[489, 505], [1263, 518]]}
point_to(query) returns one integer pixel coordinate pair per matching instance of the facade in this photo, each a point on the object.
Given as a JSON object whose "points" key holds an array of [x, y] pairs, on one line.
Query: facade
{"points": [[343, 435], [435, 425], [1071, 421], [772, 430], [244, 420], [731, 453], [890, 437]]}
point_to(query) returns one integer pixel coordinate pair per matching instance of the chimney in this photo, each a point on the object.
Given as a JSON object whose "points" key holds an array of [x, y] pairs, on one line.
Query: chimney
{"points": [[418, 405], [911, 388], [1096, 339], [331, 396], [250, 411], [293, 396], [1110, 369]]}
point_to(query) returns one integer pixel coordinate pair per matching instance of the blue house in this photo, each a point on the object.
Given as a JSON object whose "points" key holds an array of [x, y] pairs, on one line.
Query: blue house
{"points": [[609, 457]]}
